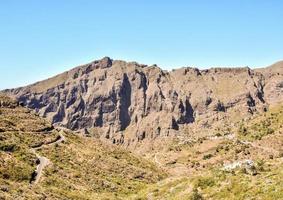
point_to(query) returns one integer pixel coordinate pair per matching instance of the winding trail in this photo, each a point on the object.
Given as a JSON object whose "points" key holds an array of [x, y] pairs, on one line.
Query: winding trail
{"points": [[43, 161]]}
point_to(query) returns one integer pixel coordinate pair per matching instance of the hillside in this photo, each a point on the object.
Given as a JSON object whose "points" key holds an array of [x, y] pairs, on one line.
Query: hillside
{"points": [[129, 103], [246, 164], [130, 131], [75, 167]]}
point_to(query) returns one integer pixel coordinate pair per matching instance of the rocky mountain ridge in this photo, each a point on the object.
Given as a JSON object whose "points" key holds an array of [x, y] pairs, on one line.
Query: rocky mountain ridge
{"points": [[128, 102]]}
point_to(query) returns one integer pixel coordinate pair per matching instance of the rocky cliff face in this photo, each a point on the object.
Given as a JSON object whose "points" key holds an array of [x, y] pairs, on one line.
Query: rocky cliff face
{"points": [[128, 102]]}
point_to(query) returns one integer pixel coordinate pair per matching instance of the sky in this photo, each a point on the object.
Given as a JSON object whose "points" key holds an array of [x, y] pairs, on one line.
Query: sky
{"points": [[39, 39]]}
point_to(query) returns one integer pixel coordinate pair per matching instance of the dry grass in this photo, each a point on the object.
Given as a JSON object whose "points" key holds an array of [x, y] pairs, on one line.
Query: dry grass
{"points": [[81, 168]]}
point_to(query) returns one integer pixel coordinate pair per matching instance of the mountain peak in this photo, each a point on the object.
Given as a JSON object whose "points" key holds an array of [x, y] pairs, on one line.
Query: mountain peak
{"points": [[128, 101], [105, 62]]}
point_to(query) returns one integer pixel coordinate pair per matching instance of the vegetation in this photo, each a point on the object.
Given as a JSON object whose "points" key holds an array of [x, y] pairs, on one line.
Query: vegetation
{"points": [[259, 140], [80, 168], [217, 184], [85, 168], [266, 124]]}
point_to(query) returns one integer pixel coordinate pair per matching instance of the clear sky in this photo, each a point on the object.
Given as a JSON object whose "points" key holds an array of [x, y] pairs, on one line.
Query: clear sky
{"points": [[39, 39]]}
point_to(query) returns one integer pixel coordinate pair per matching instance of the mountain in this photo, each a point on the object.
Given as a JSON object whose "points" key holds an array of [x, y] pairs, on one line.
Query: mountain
{"points": [[274, 82], [38, 161], [129, 103], [122, 130]]}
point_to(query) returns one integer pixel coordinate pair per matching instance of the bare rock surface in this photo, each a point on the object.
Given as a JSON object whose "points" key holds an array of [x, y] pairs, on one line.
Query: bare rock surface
{"points": [[127, 102]]}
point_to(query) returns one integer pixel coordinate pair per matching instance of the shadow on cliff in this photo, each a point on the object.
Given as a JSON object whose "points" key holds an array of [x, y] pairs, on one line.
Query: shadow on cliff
{"points": [[125, 102]]}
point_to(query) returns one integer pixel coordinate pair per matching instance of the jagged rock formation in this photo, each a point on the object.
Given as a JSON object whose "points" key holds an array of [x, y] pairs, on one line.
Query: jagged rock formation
{"points": [[127, 101]]}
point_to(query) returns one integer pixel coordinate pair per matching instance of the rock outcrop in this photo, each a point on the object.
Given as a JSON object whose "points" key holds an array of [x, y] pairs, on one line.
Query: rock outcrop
{"points": [[127, 102]]}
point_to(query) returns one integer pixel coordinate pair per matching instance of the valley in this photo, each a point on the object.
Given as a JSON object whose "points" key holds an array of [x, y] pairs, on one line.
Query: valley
{"points": [[112, 129]]}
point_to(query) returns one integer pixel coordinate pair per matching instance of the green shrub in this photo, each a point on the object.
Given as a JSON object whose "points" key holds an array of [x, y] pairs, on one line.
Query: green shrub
{"points": [[205, 182], [17, 171], [260, 165], [207, 156], [8, 147], [195, 195]]}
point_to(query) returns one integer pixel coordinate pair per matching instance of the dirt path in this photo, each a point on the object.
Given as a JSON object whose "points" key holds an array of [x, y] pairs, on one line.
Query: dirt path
{"points": [[43, 161]]}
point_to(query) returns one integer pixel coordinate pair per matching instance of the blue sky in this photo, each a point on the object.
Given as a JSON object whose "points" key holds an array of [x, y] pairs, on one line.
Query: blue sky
{"points": [[39, 39]]}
